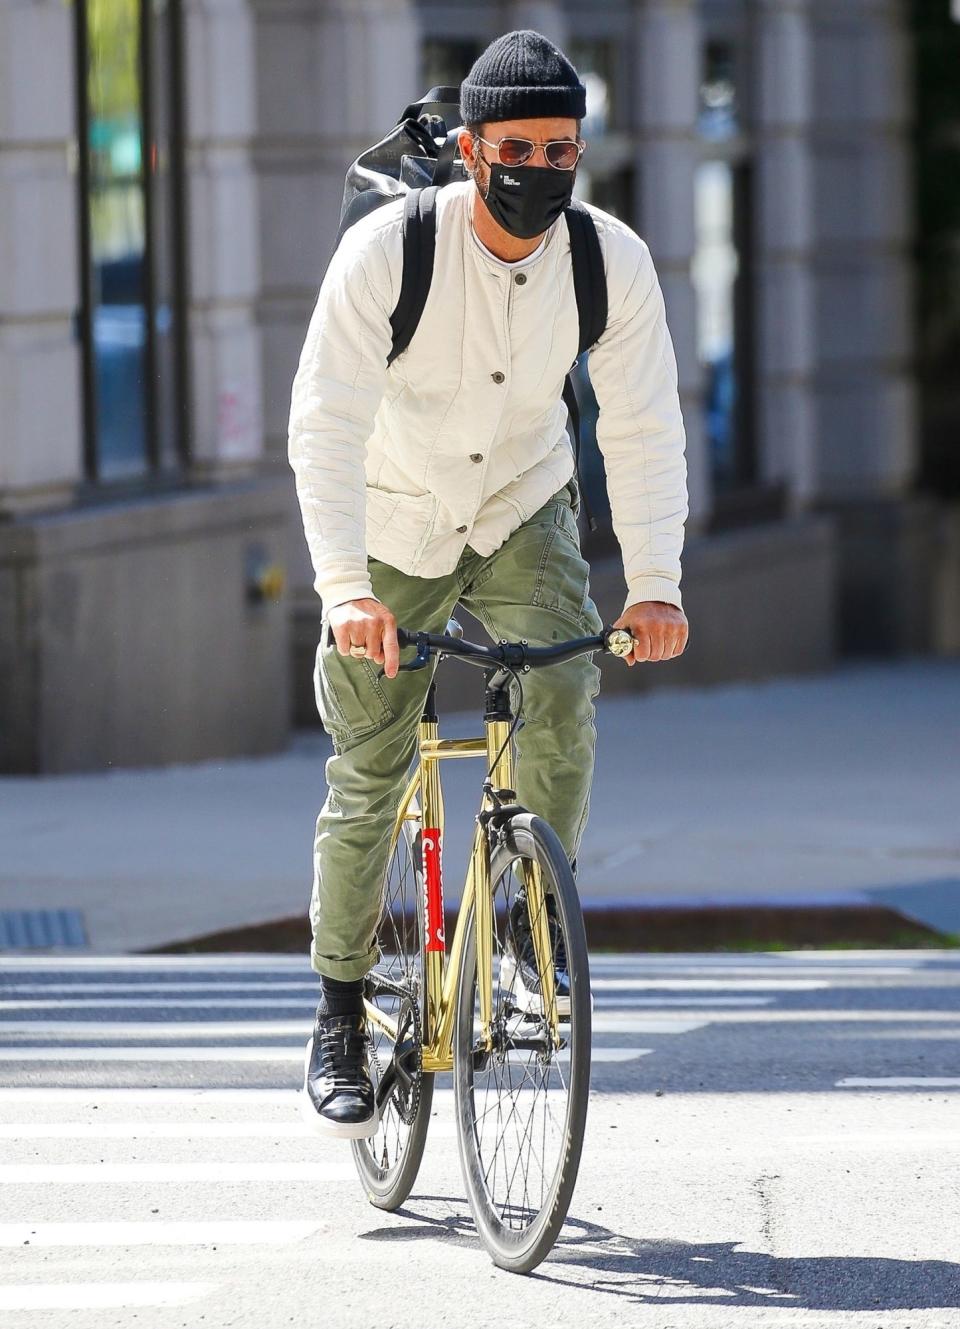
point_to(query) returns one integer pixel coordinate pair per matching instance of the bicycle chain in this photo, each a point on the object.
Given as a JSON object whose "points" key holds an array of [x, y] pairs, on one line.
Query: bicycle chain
{"points": [[410, 1002]]}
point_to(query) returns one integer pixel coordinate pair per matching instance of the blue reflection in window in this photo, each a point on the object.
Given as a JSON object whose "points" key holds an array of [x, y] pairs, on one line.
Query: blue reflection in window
{"points": [[718, 116], [714, 271], [117, 216], [120, 343]]}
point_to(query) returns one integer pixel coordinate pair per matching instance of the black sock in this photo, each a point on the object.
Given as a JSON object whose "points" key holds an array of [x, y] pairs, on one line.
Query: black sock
{"points": [[342, 998]]}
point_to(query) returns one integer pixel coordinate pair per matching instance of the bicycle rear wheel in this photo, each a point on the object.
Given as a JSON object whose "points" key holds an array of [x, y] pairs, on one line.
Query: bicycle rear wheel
{"points": [[521, 1108], [388, 1162]]}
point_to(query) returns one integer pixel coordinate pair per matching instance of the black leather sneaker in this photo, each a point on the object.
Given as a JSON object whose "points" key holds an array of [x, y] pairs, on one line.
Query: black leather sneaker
{"points": [[518, 968], [338, 1097]]}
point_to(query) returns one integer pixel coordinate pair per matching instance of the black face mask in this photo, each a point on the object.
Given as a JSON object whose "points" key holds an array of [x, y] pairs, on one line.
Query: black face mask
{"points": [[527, 200]]}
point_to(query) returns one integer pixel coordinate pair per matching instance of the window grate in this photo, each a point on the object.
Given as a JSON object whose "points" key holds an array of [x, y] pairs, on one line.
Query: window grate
{"points": [[39, 929]]}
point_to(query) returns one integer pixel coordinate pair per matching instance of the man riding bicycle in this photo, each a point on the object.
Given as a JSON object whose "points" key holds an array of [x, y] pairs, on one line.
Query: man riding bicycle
{"points": [[448, 478]]}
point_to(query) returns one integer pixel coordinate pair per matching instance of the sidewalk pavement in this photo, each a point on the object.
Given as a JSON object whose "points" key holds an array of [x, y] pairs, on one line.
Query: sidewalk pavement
{"points": [[834, 788]]}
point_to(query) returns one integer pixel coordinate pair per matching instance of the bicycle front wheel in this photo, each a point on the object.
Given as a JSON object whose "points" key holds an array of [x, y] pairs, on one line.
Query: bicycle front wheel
{"points": [[522, 1104]]}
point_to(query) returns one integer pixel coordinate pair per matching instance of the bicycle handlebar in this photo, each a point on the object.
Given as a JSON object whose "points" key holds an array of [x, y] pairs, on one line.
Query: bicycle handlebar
{"points": [[514, 654]]}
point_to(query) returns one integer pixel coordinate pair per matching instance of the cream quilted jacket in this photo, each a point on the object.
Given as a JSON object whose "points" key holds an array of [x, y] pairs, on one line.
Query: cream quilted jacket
{"points": [[463, 437]]}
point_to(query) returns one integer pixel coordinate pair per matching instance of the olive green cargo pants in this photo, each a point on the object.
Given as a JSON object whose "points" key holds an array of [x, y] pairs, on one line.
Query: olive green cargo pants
{"points": [[535, 586]]}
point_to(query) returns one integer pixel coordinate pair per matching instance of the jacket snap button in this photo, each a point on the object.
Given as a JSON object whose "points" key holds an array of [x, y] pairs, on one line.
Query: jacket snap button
{"points": [[476, 456], [498, 376], [520, 278], [461, 529]]}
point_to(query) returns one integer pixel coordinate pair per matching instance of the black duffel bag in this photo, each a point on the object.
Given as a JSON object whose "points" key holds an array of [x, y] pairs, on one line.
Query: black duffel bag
{"points": [[420, 150]]}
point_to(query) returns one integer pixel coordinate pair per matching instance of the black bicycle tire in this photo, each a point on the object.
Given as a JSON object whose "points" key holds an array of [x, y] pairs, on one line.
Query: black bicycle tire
{"points": [[520, 1252], [388, 1189]]}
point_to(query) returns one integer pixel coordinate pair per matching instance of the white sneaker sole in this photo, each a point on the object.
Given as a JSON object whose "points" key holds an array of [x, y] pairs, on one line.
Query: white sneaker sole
{"points": [[529, 1002], [334, 1130]]}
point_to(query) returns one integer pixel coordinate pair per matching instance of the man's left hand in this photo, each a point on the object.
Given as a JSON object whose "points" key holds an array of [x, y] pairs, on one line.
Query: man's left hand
{"points": [[659, 630]]}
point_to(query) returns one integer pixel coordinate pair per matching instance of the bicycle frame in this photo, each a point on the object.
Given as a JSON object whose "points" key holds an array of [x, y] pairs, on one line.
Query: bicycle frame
{"points": [[442, 968]]}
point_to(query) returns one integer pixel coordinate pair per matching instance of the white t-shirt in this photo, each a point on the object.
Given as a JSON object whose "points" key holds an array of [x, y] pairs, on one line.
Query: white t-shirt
{"points": [[515, 263]]}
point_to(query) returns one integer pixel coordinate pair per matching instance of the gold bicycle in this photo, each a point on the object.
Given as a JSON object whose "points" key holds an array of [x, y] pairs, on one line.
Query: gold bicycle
{"points": [[507, 1008]]}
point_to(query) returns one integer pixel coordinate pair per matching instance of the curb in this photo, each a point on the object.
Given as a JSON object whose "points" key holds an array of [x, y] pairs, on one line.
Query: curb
{"points": [[653, 926]]}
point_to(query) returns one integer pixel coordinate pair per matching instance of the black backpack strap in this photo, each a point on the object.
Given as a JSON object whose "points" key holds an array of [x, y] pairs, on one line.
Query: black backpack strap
{"points": [[419, 244], [590, 289], [447, 156], [573, 407], [589, 277]]}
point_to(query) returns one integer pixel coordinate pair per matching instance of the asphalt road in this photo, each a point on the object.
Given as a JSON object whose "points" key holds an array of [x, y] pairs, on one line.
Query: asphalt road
{"points": [[772, 1140]]}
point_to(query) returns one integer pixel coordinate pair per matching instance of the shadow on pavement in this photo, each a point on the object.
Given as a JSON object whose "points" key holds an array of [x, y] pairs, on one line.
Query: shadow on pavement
{"points": [[640, 1269], [660, 1271]]}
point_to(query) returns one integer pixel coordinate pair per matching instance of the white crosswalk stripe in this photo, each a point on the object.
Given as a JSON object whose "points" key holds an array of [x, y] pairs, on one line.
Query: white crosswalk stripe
{"points": [[98, 1296], [900, 1082], [223, 1030], [238, 1053], [228, 1232], [125, 1174]]}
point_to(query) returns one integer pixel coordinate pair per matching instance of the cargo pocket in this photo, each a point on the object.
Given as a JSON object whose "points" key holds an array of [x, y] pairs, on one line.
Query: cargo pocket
{"points": [[563, 579], [351, 702]]}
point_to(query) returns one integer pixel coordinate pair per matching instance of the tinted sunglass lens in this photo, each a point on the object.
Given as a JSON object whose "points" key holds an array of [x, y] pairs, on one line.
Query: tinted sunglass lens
{"points": [[515, 151], [562, 155]]}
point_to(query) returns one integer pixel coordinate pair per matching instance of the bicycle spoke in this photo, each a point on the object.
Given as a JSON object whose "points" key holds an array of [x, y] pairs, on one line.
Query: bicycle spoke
{"points": [[519, 1095]]}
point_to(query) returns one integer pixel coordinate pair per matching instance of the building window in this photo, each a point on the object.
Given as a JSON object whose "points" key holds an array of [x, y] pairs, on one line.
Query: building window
{"points": [[719, 111], [606, 177], [606, 174], [595, 61], [446, 62], [722, 273], [129, 113], [614, 191], [936, 204]]}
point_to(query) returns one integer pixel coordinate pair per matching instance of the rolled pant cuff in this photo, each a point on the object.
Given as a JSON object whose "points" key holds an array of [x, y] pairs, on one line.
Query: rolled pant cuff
{"points": [[346, 970]]}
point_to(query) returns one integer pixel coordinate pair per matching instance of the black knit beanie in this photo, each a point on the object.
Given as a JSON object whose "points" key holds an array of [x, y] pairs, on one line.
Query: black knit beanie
{"points": [[521, 76]]}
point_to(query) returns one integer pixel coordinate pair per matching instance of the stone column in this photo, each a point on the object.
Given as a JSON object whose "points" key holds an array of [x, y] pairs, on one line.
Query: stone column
{"points": [[866, 426], [866, 449], [41, 443], [668, 64], [546, 16], [331, 79], [223, 241], [786, 419]]}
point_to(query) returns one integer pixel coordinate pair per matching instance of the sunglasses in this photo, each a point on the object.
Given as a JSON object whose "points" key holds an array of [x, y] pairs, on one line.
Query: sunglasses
{"points": [[561, 153]]}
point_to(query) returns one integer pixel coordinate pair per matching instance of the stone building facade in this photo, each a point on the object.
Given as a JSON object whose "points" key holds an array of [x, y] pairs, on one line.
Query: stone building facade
{"points": [[165, 230]]}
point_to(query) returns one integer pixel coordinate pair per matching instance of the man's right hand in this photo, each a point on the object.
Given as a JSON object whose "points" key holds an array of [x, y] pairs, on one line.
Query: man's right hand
{"points": [[367, 623]]}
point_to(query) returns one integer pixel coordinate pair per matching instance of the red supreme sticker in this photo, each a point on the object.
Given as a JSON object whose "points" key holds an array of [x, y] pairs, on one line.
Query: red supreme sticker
{"points": [[432, 889]]}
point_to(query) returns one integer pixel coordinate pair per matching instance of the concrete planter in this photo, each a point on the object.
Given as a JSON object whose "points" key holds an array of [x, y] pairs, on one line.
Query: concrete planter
{"points": [[135, 633]]}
